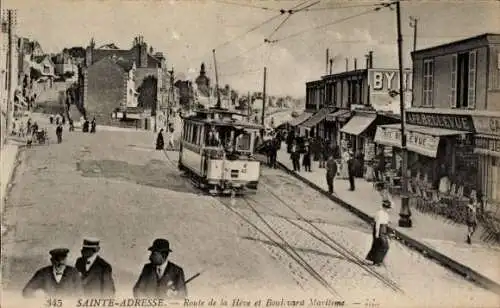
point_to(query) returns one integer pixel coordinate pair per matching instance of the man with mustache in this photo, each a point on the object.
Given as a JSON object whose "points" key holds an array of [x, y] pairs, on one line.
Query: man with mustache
{"points": [[97, 279], [160, 278], [56, 280]]}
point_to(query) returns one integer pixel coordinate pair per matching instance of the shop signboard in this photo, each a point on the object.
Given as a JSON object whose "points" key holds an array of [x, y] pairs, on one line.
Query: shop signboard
{"points": [[487, 125], [447, 121], [489, 146], [382, 81], [416, 142]]}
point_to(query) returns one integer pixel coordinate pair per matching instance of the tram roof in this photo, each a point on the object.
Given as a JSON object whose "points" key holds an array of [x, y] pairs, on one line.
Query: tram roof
{"points": [[232, 122], [219, 110]]}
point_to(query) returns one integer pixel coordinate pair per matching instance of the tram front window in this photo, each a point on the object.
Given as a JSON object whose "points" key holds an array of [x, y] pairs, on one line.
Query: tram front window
{"points": [[243, 142]]}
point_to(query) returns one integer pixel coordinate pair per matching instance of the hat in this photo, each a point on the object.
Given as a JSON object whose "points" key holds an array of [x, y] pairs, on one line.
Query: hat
{"points": [[59, 253], [160, 245], [386, 204], [90, 243]]}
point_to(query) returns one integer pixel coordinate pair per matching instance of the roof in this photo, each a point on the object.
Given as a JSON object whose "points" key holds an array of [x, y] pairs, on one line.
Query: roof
{"points": [[484, 36], [346, 74], [39, 59], [124, 64], [217, 122], [316, 118], [98, 54]]}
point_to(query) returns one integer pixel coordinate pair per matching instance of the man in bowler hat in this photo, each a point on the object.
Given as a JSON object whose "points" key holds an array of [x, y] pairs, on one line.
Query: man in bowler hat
{"points": [[96, 273], [57, 280], [160, 278]]}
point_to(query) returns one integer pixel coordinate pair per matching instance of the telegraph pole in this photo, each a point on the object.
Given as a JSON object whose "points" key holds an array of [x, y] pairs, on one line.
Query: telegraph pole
{"points": [[264, 99], [10, 100], [414, 25], [171, 97], [219, 105], [405, 213], [249, 107]]}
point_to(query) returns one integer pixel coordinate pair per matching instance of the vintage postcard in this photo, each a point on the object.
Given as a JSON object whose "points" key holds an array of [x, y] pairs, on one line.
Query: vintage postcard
{"points": [[250, 153]]}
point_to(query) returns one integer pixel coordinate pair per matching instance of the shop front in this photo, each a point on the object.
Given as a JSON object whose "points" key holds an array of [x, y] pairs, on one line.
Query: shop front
{"points": [[315, 125], [334, 122], [433, 151], [487, 146], [295, 122]]}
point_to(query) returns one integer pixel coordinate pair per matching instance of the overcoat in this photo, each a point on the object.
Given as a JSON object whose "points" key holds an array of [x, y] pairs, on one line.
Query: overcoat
{"points": [[149, 285], [69, 286], [98, 280]]}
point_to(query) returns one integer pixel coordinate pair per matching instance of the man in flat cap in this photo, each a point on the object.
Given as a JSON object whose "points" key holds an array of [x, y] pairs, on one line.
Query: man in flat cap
{"points": [[160, 278], [58, 279], [96, 273]]}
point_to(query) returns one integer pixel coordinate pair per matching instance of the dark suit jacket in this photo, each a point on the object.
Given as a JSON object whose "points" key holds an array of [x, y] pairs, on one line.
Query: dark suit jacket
{"points": [[98, 281], [69, 286], [148, 285]]}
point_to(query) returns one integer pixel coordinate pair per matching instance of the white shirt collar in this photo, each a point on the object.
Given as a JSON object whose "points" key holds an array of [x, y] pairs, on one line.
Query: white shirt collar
{"points": [[162, 268], [90, 261], [56, 276]]}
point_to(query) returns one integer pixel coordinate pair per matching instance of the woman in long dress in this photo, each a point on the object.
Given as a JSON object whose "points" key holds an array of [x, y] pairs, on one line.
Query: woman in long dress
{"points": [[160, 143], [344, 174], [380, 244]]}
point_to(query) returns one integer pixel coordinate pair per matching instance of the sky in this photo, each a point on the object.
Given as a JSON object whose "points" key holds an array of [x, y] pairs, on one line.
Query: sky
{"points": [[187, 31]]}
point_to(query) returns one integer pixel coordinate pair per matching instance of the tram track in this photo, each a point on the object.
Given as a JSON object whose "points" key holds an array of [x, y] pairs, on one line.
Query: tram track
{"points": [[275, 239], [329, 241]]}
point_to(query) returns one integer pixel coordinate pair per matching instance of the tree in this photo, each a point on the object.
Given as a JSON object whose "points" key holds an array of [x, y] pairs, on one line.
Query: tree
{"points": [[147, 94]]}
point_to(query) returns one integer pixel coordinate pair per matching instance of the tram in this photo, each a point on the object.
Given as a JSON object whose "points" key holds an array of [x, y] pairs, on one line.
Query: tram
{"points": [[217, 151]]}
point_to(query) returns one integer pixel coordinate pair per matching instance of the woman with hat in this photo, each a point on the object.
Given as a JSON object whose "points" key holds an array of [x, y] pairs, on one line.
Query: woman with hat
{"points": [[380, 244]]}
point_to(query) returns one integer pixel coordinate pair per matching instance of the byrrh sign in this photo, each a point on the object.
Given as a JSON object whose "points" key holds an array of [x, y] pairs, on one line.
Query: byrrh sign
{"points": [[385, 80]]}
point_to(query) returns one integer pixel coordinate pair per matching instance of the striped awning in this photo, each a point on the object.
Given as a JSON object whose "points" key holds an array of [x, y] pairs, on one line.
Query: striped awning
{"points": [[342, 113]]}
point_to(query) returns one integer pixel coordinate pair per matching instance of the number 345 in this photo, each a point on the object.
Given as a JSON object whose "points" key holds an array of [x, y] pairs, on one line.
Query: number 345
{"points": [[52, 302]]}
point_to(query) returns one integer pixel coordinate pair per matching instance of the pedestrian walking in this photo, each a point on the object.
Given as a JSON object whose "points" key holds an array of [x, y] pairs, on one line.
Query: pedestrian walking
{"points": [[56, 280], [295, 156], [71, 125], [58, 118], [35, 127], [351, 169], [51, 119], [63, 119], [59, 131], [93, 125], [85, 127], [28, 127], [160, 143], [274, 146], [331, 172], [325, 152], [471, 219], [380, 236], [306, 159], [96, 273], [160, 278]]}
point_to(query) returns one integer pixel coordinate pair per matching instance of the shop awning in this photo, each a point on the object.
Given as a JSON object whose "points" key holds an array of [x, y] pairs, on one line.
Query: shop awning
{"points": [[358, 124], [419, 139], [342, 113], [300, 119], [316, 118]]}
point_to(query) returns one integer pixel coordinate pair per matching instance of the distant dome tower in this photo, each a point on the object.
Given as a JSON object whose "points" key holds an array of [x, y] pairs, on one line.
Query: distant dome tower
{"points": [[203, 82]]}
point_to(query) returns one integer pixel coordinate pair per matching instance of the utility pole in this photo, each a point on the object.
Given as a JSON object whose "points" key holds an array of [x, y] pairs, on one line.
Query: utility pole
{"points": [[10, 100], [405, 213], [264, 100], [217, 81], [249, 107], [171, 97], [414, 25]]}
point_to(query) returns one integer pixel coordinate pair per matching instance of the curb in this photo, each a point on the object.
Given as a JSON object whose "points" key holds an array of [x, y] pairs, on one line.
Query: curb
{"points": [[4, 194], [425, 250]]}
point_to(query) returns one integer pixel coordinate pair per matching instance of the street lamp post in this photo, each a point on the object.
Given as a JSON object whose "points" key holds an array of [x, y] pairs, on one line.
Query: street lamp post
{"points": [[405, 213]]}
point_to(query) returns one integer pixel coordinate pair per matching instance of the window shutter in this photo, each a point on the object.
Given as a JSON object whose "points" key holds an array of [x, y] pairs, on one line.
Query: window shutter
{"points": [[453, 95], [472, 80]]}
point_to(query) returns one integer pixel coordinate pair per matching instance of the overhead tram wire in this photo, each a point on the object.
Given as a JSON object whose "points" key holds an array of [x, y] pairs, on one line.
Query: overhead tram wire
{"points": [[243, 53], [245, 5], [324, 25]]}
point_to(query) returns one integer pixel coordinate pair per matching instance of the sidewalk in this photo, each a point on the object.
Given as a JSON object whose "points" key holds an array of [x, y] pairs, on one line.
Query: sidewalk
{"points": [[437, 233], [8, 160]]}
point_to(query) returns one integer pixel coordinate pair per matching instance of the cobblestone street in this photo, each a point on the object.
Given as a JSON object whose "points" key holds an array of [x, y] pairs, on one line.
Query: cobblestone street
{"points": [[113, 185]]}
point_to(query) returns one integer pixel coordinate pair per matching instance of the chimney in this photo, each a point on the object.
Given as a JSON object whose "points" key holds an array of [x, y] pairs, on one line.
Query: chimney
{"points": [[367, 61], [370, 57], [355, 63], [331, 66], [141, 54], [346, 64], [327, 57]]}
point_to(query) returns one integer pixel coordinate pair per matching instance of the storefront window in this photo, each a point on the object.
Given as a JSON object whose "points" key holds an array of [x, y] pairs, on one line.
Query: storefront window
{"points": [[494, 184]]}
